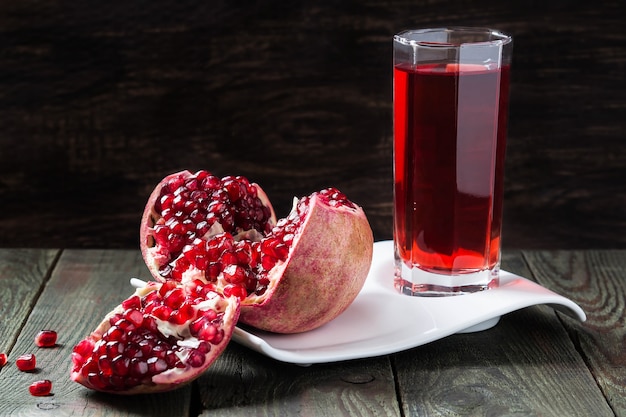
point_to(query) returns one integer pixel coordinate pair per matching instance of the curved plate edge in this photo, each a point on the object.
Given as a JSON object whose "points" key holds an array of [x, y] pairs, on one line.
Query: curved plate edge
{"points": [[514, 293]]}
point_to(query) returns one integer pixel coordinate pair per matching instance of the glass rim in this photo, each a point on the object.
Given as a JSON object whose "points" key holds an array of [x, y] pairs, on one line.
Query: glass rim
{"points": [[499, 37]]}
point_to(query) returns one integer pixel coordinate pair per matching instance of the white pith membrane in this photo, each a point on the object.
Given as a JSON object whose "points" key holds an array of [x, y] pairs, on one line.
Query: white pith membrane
{"points": [[154, 342]]}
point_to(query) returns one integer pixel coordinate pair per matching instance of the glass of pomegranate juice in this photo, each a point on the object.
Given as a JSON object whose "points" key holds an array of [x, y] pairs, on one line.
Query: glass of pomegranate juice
{"points": [[451, 94]]}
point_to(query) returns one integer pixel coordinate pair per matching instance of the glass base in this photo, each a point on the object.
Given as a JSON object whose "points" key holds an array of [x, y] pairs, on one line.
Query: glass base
{"points": [[418, 282]]}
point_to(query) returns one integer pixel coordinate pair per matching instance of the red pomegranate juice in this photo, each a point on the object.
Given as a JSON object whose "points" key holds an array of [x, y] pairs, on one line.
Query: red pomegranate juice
{"points": [[450, 134]]}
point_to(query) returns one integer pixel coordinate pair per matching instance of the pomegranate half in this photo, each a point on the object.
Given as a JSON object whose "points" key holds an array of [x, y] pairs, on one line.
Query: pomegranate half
{"points": [[163, 336], [291, 276]]}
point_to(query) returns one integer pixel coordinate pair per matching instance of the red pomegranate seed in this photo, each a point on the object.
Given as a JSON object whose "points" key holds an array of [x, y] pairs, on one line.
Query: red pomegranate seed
{"points": [[174, 298], [208, 331], [212, 271], [196, 359], [235, 274], [268, 262], [134, 316], [132, 302], [3, 359], [119, 365], [46, 338], [26, 362], [167, 286], [81, 351], [156, 365], [228, 259], [40, 388], [162, 312], [184, 313], [235, 290], [138, 368]]}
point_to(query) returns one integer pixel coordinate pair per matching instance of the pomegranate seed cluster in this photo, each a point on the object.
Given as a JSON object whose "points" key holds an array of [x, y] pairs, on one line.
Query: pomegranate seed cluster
{"points": [[236, 266], [143, 340], [240, 267], [334, 198], [189, 206]]}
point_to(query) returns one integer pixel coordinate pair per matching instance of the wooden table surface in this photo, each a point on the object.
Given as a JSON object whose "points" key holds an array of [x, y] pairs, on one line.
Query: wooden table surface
{"points": [[535, 362]]}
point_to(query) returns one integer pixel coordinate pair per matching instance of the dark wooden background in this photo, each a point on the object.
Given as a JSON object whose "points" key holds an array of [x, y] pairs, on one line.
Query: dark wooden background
{"points": [[100, 100]]}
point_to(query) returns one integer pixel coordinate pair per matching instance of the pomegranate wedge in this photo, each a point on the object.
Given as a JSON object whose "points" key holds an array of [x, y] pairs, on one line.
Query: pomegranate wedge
{"points": [[163, 336]]}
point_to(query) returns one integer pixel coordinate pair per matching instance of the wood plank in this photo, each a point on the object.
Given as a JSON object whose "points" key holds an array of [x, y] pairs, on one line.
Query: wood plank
{"points": [[243, 383], [23, 272], [84, 286], [596, 280], [526, 365]]}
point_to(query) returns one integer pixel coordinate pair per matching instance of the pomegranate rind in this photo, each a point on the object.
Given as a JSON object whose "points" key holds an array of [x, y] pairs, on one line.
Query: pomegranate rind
{"points": [[154, 256], [326, 269], [169, 379]]}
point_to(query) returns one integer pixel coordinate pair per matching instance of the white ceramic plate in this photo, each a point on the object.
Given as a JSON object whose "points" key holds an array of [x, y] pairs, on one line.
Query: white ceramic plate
{"points": [[382, 321]]}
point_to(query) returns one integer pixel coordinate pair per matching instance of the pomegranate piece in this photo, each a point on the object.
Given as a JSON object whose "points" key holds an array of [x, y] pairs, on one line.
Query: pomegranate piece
{"points": [[46, 338], [161, 337], [186, 207], [40, 388], [3, 359], [26, 362], [291, 276], [313, 263]]}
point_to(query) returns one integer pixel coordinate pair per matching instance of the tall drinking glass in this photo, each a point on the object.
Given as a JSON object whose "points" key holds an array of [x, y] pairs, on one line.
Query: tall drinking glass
{"points": [[451, 94]]}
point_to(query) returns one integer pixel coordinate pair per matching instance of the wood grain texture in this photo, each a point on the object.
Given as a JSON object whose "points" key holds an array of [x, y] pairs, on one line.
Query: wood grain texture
{"points": [[99, 102], [535, 362], [84, 286], [596, 280], [245, 383], [23, 273], [526, 365]]}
